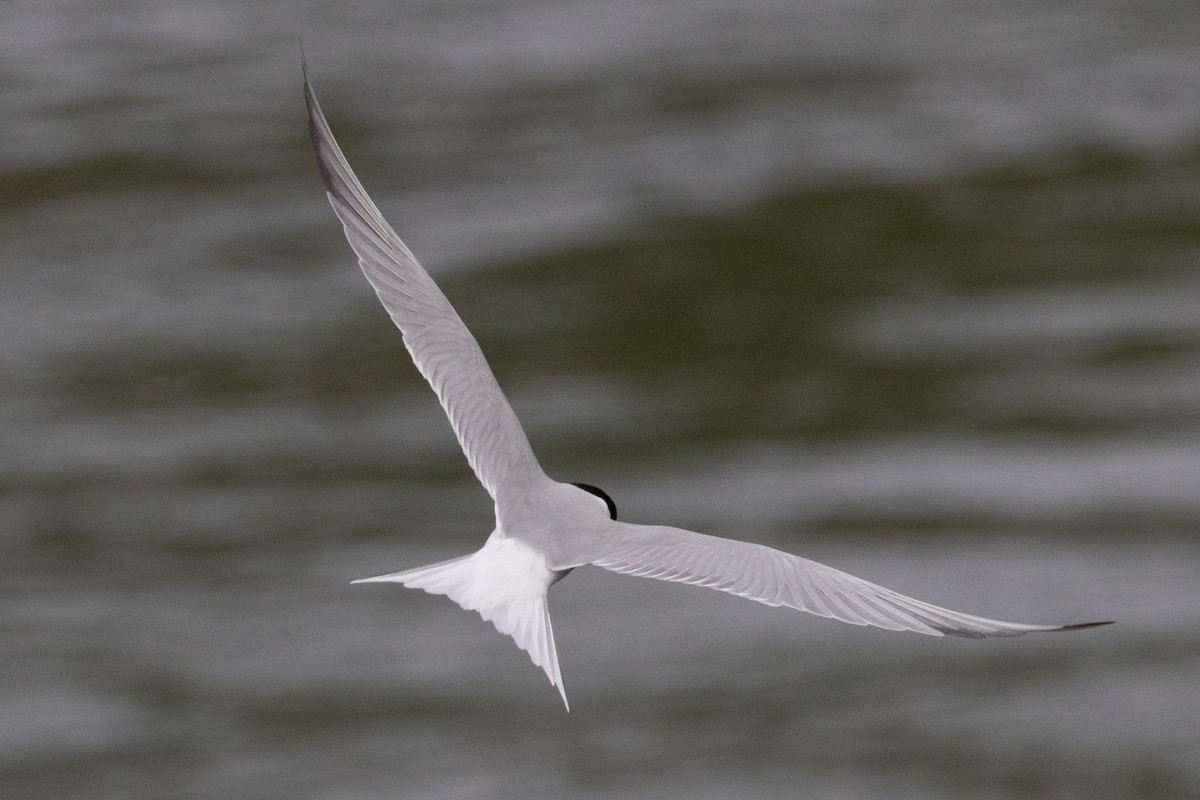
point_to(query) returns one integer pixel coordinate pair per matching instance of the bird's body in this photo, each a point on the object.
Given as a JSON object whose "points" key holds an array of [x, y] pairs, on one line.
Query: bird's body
{"points": [[545, 528]]}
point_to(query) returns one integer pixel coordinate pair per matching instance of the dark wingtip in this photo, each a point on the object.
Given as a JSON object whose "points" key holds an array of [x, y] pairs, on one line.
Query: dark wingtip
{"points": [[310, 97], [303, 60], [1081, 625], [316, 121]]}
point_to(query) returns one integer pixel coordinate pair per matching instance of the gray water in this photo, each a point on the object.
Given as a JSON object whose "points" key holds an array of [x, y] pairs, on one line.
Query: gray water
{"points": [[908, 288]]}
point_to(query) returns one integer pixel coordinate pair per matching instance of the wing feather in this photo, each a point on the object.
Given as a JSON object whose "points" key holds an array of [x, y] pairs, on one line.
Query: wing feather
{"points": [[440, 344], [776, 578]]}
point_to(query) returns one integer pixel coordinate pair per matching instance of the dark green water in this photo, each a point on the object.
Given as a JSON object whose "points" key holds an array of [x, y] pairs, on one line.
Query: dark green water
{"points": [[912, 293]]}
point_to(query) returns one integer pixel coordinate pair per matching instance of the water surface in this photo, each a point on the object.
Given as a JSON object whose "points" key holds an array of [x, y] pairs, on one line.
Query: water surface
{"points": [[911, 291]]}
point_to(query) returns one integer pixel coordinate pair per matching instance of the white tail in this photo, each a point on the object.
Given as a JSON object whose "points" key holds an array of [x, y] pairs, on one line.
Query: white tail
{"points": [[506, 582]]}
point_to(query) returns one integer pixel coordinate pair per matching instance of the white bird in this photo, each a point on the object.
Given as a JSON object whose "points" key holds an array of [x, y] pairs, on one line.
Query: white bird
{"points": [[544, 528]]}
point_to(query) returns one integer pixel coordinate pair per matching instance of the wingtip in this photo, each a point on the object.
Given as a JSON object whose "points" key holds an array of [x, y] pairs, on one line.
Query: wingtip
{"points": [[1081, 625], [309, 95], [323, 143]]}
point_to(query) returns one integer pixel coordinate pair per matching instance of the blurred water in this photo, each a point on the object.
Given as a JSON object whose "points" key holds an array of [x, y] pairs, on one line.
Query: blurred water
{"points": [[907, 288]]}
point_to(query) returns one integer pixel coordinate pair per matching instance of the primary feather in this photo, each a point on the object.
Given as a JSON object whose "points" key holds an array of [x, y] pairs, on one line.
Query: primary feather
{"points": [[440, 345], [776, 578]]}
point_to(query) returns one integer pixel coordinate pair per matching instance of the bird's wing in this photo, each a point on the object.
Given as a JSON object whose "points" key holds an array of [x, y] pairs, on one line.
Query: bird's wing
{"points": [[440, 344], [780, 579]]}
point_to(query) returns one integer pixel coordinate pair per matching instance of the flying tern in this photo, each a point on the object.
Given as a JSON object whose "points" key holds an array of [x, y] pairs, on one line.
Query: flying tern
{"points": [[544, 528]]}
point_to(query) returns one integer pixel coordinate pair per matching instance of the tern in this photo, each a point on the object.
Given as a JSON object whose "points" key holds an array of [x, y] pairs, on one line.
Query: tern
{"points": [[545, 528]]}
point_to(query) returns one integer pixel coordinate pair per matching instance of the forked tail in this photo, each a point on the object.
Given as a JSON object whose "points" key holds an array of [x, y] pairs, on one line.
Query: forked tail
{"points": [[499, 584]]}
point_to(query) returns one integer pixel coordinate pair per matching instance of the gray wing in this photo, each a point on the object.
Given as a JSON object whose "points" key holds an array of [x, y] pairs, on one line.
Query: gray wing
{"points": [[780, 579], [438, 341]]}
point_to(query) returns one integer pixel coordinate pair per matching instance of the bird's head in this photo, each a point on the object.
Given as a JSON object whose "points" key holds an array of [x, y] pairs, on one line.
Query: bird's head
{"points": [[601, 496]]}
